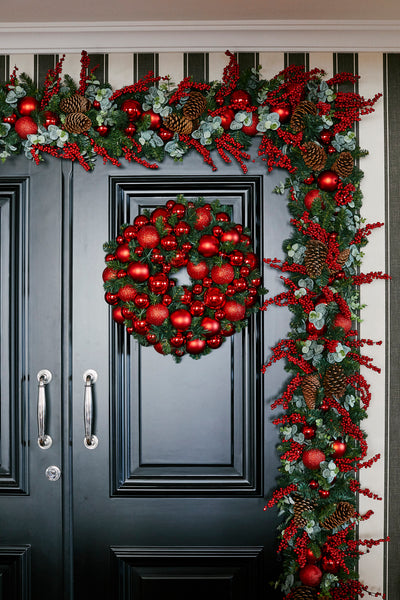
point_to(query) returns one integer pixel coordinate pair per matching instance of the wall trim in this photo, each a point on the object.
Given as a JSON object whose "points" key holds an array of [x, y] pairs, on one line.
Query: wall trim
{"points": [[214, 36]]}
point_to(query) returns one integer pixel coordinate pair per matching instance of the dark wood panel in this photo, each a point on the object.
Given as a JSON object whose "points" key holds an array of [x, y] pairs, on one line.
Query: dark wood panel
{"points": [[143, 62], [221, 573], [213, 443], [13, 333], [195, 64], [15, 573]]}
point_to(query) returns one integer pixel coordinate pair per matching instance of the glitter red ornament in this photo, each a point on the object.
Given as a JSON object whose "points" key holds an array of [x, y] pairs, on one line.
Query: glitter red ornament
{"points": [[222, 274], [25, 126], [204, 218], [312, 458], [310, 197], [156, 314], [234, 311], [148, 236]]}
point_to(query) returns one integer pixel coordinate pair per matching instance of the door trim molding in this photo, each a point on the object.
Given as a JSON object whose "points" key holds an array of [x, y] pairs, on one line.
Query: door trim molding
{"points": [[215, 36]]}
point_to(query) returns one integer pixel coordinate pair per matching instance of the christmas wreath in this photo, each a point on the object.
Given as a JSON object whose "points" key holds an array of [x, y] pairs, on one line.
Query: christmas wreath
{"points": [[219, 259]]}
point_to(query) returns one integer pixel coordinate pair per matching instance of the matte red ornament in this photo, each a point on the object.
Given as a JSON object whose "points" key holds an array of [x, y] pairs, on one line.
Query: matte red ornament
{"points": [[227, 117], [310, 197], [310, 575], [251, 129], [25, 126], [283, 112], [117, 315], [148, 236], [313, 458], [181, 319], [208, 246], [156, 314], [341, 321], [329, 564], [123, 253], [127, 293], [27, 105], [222, 274], [102, 130], [159, 283], [204, 218], [214, 298], [10, 119], [132, 108], [165, 134], [212, 326], [168, 242], [339, 448], [232, 236], [109, 273], [50, 118], [328, 181], [308, 431], [111, 298], [155, 119], [138, 271], [195, 346], [234, 311], [197, 308], [240, 99], [142, 300]]}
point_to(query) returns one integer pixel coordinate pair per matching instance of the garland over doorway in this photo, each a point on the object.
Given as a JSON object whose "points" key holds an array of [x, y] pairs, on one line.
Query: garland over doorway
{"points": [[305, 124]]}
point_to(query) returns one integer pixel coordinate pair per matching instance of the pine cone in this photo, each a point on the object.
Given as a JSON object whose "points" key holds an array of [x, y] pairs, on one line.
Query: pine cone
{"points": [[334, 382], [75, 103], [315, 257], [297, 121], [344, 164], [343, 513], [77, 122], [303, 593], [309, 387], [195, 105], [314, 156], [301, 505], [342, 258], [178, 124]]}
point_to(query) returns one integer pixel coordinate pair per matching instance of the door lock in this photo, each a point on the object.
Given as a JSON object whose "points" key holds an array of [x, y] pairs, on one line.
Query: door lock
{"points": [[53, 473]]}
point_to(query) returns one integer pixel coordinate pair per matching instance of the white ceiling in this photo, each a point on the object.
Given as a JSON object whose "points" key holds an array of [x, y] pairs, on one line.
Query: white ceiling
{"points": [[28, 11]]}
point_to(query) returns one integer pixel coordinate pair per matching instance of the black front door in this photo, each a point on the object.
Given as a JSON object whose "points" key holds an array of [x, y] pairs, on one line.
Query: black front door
{"points": [[170, 501]]}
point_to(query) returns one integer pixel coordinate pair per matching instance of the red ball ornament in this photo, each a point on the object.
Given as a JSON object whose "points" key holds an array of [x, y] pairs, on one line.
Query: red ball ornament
{"points": [[109, 274], [328, 181], [127, 293], [313, 458], [329, 564], [341, 321], [231, 236], [121, 273], [25, 126], [326, 136], [197, 289], [228, 330], [251, 260], [148, 236], [314, 485], [165, 134], [27, 105], [230, 290], [177, 341], [111, 298], [142, 300], [186, 246], [217, 231], [236, 258], [179, 259], [309, 180], [324, 494], [130, 130], [251, 129], [156, 256], [312, 330], [120, 239], [138, 271], [102, 130], [310, 575], [283, 112], [132, 108], [168, 242], [223, 217], [181, 228], [240, 99], [197, 308], [222, 274], [204, 218], [123, 253], [308, 432], [140, 220], [159, 283], [151, 338], [214, 342], [234, 311], [130, 232], [96, 104], [310, 557], [339, 448], [109, 257], [117, 315], [128, 314], [310, 197], [159, 212], [208, 246], [179, 210], [156, 314], [50, 118], [331, 150], [207, 282], [227, 117], [195, 346], [155, 119], [240, 284], [158, 347], [186, 297], [214, 298], [10, 119], [141, 327], [212, 326], [181, 319], [166, 300]]}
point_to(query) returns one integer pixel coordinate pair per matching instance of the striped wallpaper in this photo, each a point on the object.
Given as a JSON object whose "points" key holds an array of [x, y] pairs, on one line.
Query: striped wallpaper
{"points": [[380, 134]]}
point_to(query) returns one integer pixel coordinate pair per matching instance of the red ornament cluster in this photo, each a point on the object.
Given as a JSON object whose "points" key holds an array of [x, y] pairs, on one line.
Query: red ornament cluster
{"points": [[217, 255]]}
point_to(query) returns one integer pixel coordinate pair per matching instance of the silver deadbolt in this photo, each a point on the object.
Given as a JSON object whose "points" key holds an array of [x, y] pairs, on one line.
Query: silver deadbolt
{"points": [[53, 473]]}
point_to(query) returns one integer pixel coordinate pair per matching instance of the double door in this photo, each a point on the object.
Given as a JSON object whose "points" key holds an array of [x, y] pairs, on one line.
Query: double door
{"points": [[169, 502]]}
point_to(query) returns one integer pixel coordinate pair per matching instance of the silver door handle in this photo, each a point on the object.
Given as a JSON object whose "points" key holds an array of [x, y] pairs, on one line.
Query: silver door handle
{"points": [[44, 441], [89, 377]]}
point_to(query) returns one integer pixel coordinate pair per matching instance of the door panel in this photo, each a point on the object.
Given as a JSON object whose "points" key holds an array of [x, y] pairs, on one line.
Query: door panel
{"points": [[185, 455]]}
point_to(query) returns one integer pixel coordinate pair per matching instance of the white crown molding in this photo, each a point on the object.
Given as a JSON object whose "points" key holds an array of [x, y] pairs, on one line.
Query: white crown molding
{"points": [[213, 36]]}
